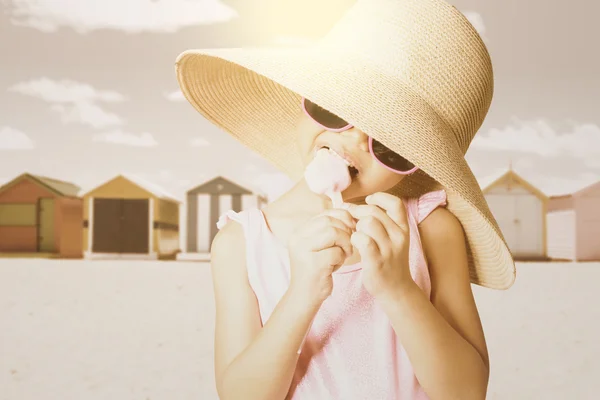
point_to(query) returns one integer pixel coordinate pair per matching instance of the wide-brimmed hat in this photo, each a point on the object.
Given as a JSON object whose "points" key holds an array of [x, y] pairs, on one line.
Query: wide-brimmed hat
{"points": [[413, 74]]}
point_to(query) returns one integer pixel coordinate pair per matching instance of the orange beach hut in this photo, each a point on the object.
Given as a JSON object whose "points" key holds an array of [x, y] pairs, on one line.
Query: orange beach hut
{"points": [[40, 216]]}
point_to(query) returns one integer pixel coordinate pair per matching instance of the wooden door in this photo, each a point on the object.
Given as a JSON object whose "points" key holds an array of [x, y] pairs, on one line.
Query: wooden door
{"points": [[121, 226], [503, 208], [135, 227], [588, 226], [561, 234], [106, 235], [46, 226], [529, 226]]}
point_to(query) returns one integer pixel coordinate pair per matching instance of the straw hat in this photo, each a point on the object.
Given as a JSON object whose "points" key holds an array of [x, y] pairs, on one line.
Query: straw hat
{"points": [[413, 74]]}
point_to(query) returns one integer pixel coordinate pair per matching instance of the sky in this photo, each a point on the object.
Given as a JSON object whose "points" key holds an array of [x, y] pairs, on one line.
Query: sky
{"points": [[88, 89]]}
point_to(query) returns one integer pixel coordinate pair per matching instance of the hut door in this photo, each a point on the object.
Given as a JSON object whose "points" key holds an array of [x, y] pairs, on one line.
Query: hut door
{"points": [[529, 226], [107, 226], [46, 227], [121, 226], [503, 208], [135, 229]]}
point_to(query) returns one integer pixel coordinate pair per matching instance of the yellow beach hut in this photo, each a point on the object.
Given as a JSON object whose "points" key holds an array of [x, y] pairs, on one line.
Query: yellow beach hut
{"points": [[128, 217]]}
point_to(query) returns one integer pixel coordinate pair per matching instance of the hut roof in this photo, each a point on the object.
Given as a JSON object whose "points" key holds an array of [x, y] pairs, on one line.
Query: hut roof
{"points": [[576, 189], [488, 180], [496, 178], [150, 187], [66, 188], [58, 187], [224, 185]]}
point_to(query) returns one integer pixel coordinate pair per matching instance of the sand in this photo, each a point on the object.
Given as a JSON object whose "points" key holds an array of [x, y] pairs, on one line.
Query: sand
{"points": [[128, 330]]}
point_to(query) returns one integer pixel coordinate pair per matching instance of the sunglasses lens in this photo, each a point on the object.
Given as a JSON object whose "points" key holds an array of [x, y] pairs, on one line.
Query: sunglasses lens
{"points": [[390, 158], [324, 117]]}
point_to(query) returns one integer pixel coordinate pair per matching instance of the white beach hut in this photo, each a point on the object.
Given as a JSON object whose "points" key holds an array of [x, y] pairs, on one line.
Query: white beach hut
{"points": [[574, 225], [520, 209], [205, 204]]}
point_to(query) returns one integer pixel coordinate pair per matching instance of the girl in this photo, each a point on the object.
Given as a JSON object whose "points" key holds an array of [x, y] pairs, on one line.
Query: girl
{"points": [[382, 287]]}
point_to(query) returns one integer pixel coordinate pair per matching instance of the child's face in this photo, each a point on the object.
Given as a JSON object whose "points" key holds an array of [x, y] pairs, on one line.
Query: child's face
{"points": [[371, 177]]}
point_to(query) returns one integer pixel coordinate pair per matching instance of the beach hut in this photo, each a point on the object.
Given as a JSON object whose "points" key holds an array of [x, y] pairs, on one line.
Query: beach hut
{"points": [[128, 217], [40, 216], [207, 202], [520, 209], [574, 225]]}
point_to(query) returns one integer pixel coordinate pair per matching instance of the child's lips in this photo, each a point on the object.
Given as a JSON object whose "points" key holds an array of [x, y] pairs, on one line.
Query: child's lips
{"points": [[342, 152]]}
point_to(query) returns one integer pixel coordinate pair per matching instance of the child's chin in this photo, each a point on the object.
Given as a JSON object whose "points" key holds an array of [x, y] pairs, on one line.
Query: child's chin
{"points": [[353, 194]]}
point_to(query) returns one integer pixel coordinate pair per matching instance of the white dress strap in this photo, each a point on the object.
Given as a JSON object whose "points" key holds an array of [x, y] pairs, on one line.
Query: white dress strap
{"points": [[267, 262]]}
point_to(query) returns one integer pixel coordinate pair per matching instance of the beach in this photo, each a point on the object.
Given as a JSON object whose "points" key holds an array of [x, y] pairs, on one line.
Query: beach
{"points": [[129, 330]]}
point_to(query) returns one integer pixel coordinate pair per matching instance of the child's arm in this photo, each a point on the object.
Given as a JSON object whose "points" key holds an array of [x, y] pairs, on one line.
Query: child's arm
{"points": [[251, 362], [443, 338]]}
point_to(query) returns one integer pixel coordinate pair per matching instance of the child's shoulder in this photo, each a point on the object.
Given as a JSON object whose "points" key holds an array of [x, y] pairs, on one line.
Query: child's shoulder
{"points": [[441, 225], [444, 246], [229, 230], [230, 236]]}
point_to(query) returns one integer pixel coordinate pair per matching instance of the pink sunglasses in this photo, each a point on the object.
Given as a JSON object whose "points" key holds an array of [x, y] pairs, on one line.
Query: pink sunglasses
{"points": [[383, 155]]}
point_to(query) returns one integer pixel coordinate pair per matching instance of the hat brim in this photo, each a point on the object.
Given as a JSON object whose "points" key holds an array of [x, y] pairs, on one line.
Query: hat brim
{"points": [[254, 95]]}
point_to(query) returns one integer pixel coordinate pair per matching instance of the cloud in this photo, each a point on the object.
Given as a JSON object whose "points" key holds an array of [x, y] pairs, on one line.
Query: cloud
{"points": [[75, 102], [557, 161], [13, 139], [131, 16], [477, 21], [199, 142], [87, 114], [175, 96], [127, 139], [549, 184], [539, 138], [65, 91]]}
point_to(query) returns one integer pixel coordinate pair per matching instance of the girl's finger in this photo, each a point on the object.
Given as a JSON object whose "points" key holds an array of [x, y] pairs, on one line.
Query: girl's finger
{"points": [[342, 215], [322, 223], [331, 237], [393, 206], [366, 211], [334, 256], [373, 228], [366, 246]]}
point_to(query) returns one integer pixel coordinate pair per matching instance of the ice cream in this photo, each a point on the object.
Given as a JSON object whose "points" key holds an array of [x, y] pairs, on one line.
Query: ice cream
{"points": [[328, 174]]}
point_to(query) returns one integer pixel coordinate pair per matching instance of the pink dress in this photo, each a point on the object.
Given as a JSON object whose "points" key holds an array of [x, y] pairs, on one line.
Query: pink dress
{"points": [[351, 351]]}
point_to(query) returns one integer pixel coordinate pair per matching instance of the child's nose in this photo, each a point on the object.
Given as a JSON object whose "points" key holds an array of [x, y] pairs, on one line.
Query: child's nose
{"points": [[361, 138]]}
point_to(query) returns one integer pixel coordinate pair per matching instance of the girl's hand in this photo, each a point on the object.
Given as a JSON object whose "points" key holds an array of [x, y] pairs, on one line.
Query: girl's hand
{"points": [[382, 238], [318, 248]]}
